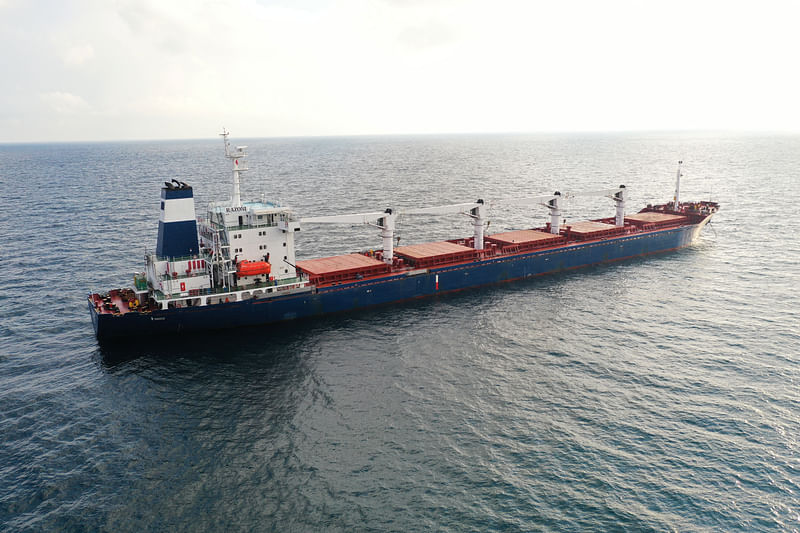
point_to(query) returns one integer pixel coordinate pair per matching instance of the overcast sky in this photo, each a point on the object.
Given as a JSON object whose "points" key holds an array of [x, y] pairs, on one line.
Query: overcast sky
{"points": [[142, 69]]}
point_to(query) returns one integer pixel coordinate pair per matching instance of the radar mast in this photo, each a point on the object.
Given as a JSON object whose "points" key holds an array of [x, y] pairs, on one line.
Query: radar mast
{"points": [[239, 165]]}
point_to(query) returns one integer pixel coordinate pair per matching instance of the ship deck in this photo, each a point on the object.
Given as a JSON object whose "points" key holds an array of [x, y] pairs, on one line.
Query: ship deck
{"points": [[327, 271], [435, 253], [341, 267], [593, 229], [525, 239], [349, 268], [655, 219], [118, 302]]}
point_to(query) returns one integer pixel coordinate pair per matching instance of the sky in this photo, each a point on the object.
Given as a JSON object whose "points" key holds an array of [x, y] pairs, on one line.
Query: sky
{"points": [[88, 70]]}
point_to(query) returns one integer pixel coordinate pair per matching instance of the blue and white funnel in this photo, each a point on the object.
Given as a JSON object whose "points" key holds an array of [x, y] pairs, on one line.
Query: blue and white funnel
{"points": [[177, 227]]}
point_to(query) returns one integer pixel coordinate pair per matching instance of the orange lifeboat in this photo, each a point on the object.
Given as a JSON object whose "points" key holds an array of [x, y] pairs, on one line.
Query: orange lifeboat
{"points": [[252, 268]]}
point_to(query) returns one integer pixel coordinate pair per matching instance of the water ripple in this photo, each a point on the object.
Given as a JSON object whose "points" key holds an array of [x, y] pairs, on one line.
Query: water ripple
{"points": [[655, 394]]}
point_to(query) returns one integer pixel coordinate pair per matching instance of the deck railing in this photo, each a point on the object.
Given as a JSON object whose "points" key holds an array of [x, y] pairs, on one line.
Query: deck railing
{"points": [[221, 290], [217, 225]]}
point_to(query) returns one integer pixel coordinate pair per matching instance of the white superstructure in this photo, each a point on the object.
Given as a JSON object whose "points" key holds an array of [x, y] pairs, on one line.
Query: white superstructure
{"points": [[237, 250]]}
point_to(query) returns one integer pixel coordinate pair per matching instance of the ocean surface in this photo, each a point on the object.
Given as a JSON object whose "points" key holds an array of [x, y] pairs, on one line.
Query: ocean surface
{"points": [[654, 394]]}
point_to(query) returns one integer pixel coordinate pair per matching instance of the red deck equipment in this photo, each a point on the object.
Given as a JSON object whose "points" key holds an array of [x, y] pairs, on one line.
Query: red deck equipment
{"points": [[588, 230], [435, 253], [655, 220], [523, 240], [341, 268]]}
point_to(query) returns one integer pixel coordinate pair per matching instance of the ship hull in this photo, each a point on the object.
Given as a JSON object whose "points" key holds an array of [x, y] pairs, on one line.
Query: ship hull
{"points": [[393, 287]]}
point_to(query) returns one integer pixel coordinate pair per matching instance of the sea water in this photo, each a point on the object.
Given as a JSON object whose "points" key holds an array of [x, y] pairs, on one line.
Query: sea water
{"points": [[653, 394]]}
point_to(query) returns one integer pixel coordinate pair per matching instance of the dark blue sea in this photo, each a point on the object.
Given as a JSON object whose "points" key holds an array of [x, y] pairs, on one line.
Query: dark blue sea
{"points": [[657, 394]]}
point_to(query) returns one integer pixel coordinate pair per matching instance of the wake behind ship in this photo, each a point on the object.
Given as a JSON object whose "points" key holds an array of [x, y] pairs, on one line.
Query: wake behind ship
{"points": [[235, 265]]}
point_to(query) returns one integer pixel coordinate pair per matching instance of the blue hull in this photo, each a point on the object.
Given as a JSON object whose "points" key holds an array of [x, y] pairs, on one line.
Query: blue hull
{"points": [[393, 288]]}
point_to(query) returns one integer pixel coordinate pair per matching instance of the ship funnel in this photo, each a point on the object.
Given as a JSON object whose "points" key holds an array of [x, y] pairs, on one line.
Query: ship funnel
{"points": [[177, 228]]}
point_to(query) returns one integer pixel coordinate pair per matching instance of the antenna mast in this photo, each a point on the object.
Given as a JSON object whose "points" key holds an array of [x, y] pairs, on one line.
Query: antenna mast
{"points": [[239, 165]]}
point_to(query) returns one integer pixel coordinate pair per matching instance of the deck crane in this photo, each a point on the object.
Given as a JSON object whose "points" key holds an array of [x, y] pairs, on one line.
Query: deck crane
{"points": [[382, 220], [553, 203], [385, 220], [619, 195], [476, 210]]}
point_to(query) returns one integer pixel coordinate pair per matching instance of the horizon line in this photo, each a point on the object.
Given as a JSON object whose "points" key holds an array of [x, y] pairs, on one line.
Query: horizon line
{"points": [[703, 131]]}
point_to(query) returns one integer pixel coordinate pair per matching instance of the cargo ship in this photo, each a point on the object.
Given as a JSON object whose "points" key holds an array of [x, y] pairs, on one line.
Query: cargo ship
{"points": [[235, 265]]}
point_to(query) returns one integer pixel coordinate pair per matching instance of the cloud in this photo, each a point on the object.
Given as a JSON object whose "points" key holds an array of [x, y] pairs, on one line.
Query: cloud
{"points": [[76, 56], [429, 34], [65, 103], [149, 68]]}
